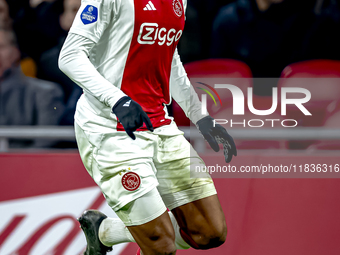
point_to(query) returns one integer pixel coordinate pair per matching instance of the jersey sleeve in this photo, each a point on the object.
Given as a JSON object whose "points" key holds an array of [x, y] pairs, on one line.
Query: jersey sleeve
{"points": [[93, 17], [185, 4], [183, 92], [74, 62]]}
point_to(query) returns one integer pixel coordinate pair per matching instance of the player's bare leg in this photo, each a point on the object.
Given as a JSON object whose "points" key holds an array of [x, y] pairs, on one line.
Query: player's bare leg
{"points": [[202, 223], [155, 237]]}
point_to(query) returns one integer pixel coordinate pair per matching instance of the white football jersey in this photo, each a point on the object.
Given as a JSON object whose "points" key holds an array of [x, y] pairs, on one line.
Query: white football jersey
{"points": [[131, 44]]}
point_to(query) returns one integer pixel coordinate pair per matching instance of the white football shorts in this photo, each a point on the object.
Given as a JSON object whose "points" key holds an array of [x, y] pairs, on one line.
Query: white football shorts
{"points": [[129, 171]]}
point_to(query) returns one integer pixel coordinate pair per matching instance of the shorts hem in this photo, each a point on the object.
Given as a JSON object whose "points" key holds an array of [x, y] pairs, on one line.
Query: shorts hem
{"points": [[187, 196], [146, 220], [127, 200]]}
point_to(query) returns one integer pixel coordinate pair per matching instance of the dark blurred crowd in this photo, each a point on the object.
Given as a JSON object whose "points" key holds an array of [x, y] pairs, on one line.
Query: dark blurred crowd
{"points": [[267, 35]]}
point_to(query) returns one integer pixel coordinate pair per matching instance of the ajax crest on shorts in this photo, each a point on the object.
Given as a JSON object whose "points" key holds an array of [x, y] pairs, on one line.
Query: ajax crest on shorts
{"points": [[131, 181], [89, 14]]}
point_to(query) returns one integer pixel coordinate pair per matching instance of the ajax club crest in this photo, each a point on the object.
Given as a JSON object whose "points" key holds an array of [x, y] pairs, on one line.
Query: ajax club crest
{"points": [[177, 7], [131, 181]]}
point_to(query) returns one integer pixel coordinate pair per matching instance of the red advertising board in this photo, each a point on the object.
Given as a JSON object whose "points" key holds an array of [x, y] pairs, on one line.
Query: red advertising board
{"points": [[41, 195]]}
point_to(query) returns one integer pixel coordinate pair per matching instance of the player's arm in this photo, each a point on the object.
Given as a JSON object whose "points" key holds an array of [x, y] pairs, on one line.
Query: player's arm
{"points": [[74, 62], [88, 27], [184, 94]]}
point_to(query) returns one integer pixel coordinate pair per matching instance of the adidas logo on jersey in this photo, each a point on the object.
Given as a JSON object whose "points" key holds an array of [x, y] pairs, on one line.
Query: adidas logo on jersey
{"points": [[127, 104], [149, 7]]}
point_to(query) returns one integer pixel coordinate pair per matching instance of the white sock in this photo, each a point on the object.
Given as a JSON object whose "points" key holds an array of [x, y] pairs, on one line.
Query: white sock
{"points": [[179, 242], [112, 231]]}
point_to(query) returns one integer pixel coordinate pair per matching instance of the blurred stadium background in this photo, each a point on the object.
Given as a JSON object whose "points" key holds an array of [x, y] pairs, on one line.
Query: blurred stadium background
{"points": [[262, 44]]}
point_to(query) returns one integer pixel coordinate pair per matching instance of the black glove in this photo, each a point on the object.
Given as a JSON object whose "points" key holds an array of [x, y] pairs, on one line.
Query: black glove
{"points": [[131, 115], [215, 135]]}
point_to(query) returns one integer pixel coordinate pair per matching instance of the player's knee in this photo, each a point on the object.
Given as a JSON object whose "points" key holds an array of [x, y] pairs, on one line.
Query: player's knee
{"points": [[168, 251], [219, 236], [163, 246], [168, 248], [211, 237]]}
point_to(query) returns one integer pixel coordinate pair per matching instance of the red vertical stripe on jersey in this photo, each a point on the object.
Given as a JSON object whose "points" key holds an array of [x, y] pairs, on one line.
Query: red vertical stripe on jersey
{"points": [[148, 66]]}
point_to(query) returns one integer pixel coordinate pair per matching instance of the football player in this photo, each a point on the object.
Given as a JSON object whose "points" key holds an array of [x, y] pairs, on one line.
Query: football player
{"points": [[123, 54]]}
